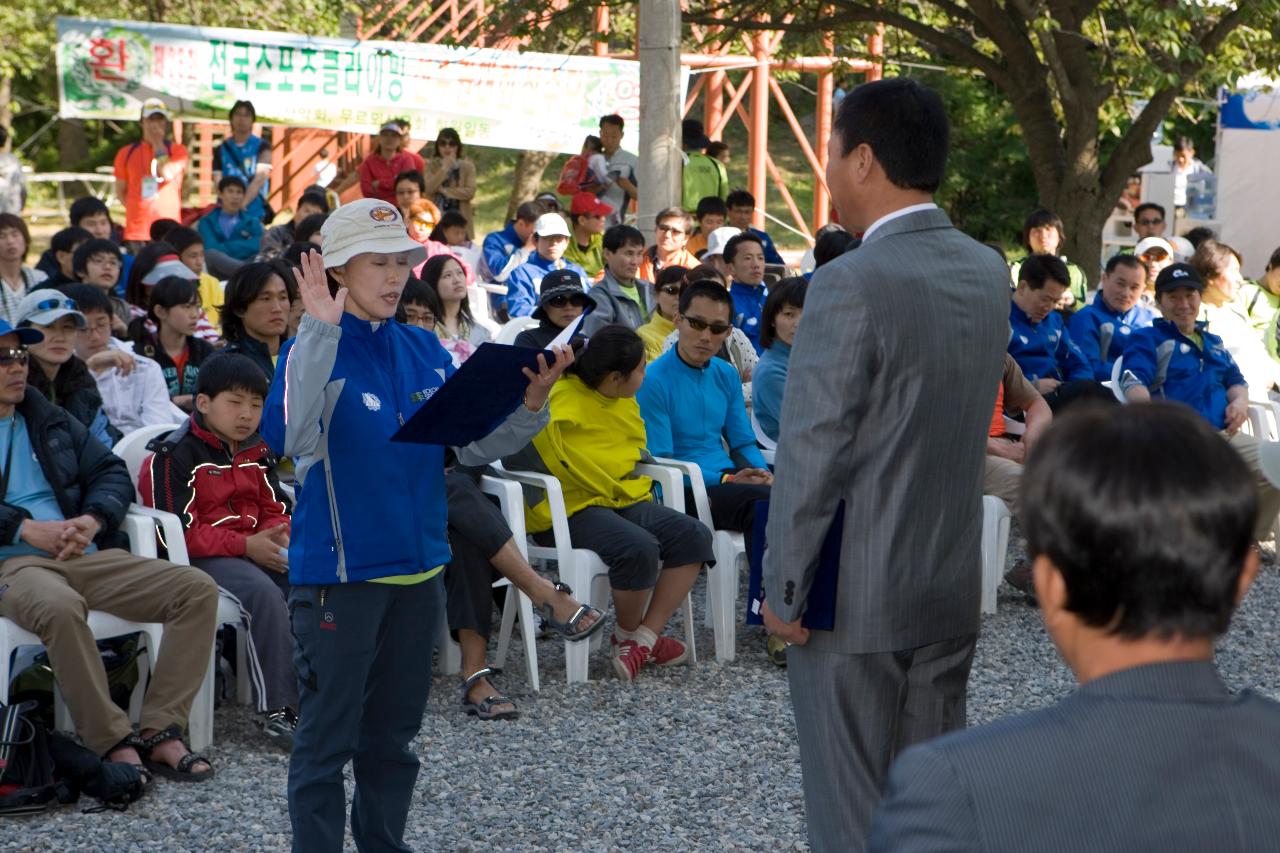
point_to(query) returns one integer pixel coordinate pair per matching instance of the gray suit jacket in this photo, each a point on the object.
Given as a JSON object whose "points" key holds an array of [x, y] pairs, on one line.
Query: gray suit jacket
{"points": [[1157, 758], [888, 400]]}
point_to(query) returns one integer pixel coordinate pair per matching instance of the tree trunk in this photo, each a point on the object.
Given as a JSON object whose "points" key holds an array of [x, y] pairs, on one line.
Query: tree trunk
{"points": [[528, 175], [6, 111], [73, 147]]}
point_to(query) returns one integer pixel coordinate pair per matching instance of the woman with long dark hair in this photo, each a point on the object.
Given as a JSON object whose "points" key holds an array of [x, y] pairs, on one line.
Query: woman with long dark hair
{"points": [[456, 326]]}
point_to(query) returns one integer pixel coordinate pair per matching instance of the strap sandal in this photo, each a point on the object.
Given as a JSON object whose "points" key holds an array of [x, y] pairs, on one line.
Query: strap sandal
{"points": [[181, 773], [484, 708], [134, 740], [569, 630]]}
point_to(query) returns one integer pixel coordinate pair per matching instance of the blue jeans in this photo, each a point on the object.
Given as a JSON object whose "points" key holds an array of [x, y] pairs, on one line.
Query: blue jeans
{"points": [[359, 648]]}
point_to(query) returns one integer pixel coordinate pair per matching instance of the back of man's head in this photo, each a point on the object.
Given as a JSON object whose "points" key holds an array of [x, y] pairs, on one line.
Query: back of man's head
{"points": [[529, 212], [906, 127], [1147, 514]]}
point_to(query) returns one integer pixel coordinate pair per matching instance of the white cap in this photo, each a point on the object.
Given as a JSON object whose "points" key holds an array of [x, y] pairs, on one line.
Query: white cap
{"points": [[551, 225], [153, 107], [367, 225], [1182, 249], [1146, 244], [719, 239], [46, 307]]}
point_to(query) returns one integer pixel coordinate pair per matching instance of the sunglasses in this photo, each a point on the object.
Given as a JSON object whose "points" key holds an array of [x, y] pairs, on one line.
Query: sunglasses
{"points": [[670, 289], [561, 301], [702, 325], [671, 229], [50, 304], [1150, 221], [14, 355]]}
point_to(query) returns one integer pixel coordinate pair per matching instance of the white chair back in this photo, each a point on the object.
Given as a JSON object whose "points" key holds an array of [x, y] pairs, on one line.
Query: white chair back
{"points": [[133, 449], [761, 439], [1117, 370], [512, 329]]}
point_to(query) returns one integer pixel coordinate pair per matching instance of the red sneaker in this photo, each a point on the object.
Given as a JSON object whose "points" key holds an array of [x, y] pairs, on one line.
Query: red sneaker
{"points": [[668, 651], [629, 658]]}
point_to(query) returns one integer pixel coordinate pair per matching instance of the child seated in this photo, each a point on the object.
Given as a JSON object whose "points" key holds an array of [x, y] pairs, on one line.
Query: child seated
{"points": [[174, 312], [231, 235], [214, 472], [98, 263]]}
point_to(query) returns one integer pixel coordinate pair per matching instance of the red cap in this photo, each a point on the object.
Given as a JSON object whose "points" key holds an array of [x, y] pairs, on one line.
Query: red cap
{"points": [[586, 204]]}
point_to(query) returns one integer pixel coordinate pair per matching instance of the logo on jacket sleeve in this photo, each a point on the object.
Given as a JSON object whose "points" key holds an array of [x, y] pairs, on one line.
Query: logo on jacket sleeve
{"points": [[371, 402]]}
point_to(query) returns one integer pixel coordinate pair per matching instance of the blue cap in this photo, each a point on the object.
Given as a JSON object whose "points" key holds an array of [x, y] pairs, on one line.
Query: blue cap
{"points": [[26, 335]]}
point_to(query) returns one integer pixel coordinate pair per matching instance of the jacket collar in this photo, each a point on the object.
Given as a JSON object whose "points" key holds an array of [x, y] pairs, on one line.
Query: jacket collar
{"points": [[1196, 681], [611, 285], [921, 220], [38, 412]]}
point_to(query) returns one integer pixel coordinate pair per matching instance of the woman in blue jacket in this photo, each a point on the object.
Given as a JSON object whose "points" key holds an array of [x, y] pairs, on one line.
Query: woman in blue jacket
{"points": [[369, 544], [782, 311]]}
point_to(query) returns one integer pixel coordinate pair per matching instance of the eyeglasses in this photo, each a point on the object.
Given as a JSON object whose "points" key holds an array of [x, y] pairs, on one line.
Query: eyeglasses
{"points": [[699, 325], [561, 301], [1150, 221], [14, 355], [670, 289], [671, 229]]}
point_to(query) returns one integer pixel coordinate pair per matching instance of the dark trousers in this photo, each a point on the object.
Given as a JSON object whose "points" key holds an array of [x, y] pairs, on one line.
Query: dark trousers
{"points": [[1077, 393], [855, 713], [733, 505], [363, 659], [477, 531]]}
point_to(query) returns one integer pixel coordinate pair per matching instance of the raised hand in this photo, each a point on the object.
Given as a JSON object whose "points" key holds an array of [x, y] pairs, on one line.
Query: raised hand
{"points": [[540, 383], [313, 285]]}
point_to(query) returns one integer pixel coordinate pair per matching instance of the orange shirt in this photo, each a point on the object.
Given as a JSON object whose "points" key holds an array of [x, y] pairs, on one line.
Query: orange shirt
{"points": [[147, 196], [649, 273], [997, 418], [697, 243]]}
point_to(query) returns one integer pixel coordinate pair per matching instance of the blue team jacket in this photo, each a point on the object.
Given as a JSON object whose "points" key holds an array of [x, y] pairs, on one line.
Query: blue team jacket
{"points": [[1103, 334], [1045, 350], [748, 310], [524, 281], [1172, 366]]}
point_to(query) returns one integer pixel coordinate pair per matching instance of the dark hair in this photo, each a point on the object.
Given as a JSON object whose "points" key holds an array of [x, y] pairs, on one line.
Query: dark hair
{"points": [[309, 227], [1148, 205], [619, 236], [417, 292], [160, 229], [706, 272], [612, 349], [1039, 218], [1037, 269], [292, 256], [1211, 258], [1124, 260], [450, 134], [1161, 554], [4, 135], [705, 288], [905, 125], [448, 219], [67, 239], [242, 105], [670, 275], [314, 198], [169, 291], [1183, 143], [789, 291], [739, 198], [1275, 260], [231, 371], [613, 119], [411, 175], [13, 220], [1198, 235], [710, 206], [715, 148], [431, 272], [231, 181], [85, 207], [183, 238], [96, 246], [594, 141], [243, 288], [731, 248], [135, 292], [831, 245], [88, 298]]}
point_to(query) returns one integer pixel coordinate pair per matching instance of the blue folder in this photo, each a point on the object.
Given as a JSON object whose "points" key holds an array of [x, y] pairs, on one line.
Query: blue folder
{"points": [[476, 399], [820, 608]]}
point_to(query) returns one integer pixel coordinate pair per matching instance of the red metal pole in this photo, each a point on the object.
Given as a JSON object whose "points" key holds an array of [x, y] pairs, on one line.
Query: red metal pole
{"points": [[600, 36], [822, 132], [875, 46], [758, 139]]}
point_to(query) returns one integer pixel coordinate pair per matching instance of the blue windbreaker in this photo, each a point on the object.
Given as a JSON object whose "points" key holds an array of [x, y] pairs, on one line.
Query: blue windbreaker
{"points": [[1103, 334], [1045, 350], [1172, 366]]}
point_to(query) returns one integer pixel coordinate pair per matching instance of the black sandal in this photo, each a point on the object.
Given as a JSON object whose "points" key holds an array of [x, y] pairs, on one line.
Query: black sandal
{"points": [[569, 630], [139, 745], [181, 773], [484, 708]]}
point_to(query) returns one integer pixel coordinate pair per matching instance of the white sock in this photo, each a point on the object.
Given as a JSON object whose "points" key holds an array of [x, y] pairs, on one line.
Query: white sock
{"points": [[644, 637]]}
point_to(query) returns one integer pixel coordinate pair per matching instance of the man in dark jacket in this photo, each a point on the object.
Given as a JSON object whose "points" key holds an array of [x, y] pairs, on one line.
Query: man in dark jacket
{"points": [[64, 496]]}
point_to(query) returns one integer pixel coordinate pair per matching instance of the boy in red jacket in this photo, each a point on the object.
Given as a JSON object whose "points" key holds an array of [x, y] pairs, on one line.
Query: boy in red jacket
{"points": [[215, 473]]}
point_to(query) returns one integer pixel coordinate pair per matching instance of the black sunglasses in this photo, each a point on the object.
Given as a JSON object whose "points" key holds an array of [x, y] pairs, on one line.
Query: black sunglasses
{"points": [[561, 301], [14, 355], [702, 325], [1150, 221]]}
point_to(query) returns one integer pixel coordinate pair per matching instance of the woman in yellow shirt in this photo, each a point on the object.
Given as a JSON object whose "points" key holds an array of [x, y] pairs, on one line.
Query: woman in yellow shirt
{"points": [[662, 322]]}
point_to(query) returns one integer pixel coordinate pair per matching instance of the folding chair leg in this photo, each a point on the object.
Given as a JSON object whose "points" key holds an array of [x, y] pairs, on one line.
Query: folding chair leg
{"points": [[530, 637], [509, 607], [689, 633]]}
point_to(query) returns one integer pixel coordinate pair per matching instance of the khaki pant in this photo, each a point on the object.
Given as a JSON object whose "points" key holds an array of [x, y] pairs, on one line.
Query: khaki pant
{"points": [[1003, 478], [52, 600], [1268, 495]]}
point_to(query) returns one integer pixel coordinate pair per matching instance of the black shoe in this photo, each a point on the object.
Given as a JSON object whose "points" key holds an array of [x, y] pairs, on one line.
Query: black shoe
{"points": [[1019, 577], [279, 725]]}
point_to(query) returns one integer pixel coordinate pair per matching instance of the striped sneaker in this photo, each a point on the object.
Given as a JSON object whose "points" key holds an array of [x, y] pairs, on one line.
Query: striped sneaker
{"points": [[668, 651], [629, 657]]}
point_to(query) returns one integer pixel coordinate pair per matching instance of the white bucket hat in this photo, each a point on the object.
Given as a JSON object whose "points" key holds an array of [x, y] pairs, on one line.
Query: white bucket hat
{"points": [[551, 225], [719, 239], [367, 225]]}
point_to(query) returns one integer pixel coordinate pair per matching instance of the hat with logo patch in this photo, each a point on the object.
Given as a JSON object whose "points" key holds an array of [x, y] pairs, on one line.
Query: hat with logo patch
{"points": [[367, 225], [154, 107], [1178, 275]]}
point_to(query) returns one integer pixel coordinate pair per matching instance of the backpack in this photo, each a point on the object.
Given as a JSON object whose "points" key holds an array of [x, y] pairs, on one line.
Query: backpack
{"points": [[572, 175]]}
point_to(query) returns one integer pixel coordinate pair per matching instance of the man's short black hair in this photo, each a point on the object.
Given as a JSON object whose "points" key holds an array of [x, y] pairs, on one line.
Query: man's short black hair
{"points": [[231, 372], [85, 207], [739, 198], [613, 119], [243, 105], [711, 205], [789, 291], [183, 238], [1037, 269], [309, 227], [1148, 205], [411, 175], [96, 246], [619, 236], [231, 181], [1123, 259], [1147, 513], [706, 289], [1199, 234], [906, 127], [67, 239], [315, 199], [831, 245], [736, 241], [529, 211], [88, 298]]}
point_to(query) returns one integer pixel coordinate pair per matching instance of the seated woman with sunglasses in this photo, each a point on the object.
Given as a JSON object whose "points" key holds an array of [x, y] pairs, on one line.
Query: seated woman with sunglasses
{"points": [[666, 304], [561, 301]]}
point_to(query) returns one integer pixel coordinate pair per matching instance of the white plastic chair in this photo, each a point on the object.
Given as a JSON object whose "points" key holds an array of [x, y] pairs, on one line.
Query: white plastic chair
{"points": [[768, 447], [511, 502], [722, 578], [1117, 370], [583, 570], [996, 520], [512, 329]]}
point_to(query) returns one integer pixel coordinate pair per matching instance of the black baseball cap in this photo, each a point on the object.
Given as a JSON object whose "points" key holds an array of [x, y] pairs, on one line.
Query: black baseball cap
{"points": [[558, 283], [1178, 275]]}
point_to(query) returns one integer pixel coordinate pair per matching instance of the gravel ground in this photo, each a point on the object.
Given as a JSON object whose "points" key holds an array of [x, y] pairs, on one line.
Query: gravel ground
{"points": [[701, 759]]}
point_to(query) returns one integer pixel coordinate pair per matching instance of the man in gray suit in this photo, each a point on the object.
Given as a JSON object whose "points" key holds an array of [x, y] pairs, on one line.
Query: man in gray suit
{"points": [[1152, 752], [887, 407]]}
